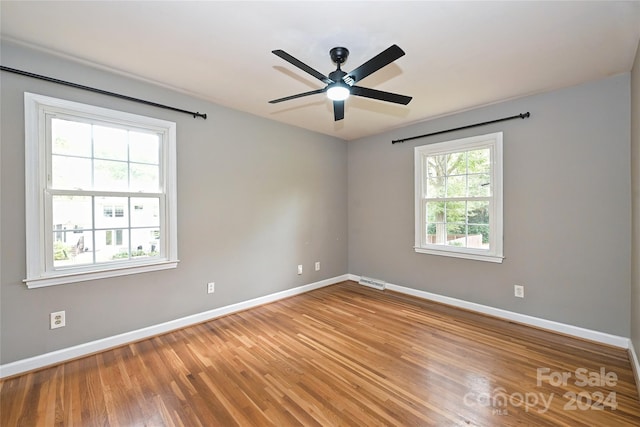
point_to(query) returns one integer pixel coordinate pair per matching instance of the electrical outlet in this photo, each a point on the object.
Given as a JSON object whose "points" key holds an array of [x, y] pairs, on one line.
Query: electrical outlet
{"points": [[317, 265], [518, 291], [211, 287], [57, 320], [300, 269]]}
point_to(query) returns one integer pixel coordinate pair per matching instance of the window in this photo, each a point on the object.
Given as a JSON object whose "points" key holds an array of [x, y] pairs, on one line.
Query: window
{"points": [[458, 187], [100, 192]]}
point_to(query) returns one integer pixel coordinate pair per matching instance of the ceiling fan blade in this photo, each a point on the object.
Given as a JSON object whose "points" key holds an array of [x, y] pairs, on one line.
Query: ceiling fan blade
{"points": [[338, 110], [381, 95], [304, 67], [374, 64], [299, 95]]}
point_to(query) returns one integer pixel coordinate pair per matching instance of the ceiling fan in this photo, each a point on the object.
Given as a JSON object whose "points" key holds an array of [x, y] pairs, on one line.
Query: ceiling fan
{"points": [[341, 84]]}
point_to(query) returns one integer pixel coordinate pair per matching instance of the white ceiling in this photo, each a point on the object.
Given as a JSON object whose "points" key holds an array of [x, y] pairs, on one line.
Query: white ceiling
{"points": [[459, 55]]}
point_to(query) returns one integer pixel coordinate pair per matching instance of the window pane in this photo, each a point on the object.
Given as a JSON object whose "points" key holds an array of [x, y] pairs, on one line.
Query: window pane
{"points": [[435, 187], [456, 235], [480, 185], [455, 212], [70, 173], [109, 143], [435, 227], [437, 165], [71, 138], [479, 161], [144, 148], [435, 211], [478, 212], [457, 186], [456, 164], [478, 237], [71, 212], [72, 248], [110, 176], [145, 212], [112, 245], [436, 233], [145, 177], [111, 212], [145, 242]]}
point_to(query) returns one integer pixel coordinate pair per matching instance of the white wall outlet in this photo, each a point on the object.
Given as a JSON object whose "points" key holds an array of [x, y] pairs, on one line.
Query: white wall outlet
{"points": [[57, 319], [211, 287], [317, 265], [518, 291], [300, 269]]}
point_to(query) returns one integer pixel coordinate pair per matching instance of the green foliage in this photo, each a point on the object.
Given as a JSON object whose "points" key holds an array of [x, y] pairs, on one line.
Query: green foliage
{"points": [[60, 251], [431, 228], [135, 253], [480, 220]]}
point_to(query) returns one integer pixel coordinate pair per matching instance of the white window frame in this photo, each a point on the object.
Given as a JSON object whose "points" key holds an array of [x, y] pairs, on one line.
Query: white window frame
{"points": [[39, 245], [492, 141]]}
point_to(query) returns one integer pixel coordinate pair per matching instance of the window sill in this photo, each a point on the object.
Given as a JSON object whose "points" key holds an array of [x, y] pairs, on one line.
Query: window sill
{"points": [[465, 255], [65, 277]]}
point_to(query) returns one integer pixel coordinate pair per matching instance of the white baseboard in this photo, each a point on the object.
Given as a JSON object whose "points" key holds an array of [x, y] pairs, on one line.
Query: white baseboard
{"points": [[59, 356], [635, 364], [576, 331], [65, 354]]}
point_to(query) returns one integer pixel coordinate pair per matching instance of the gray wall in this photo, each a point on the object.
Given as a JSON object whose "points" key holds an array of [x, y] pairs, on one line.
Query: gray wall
{"points": [[256, 198], [566, 209], [635, 188]]}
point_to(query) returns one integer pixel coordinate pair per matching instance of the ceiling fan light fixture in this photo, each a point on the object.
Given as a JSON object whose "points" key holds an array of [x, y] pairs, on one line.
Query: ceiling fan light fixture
{"points": [[338, 92]]}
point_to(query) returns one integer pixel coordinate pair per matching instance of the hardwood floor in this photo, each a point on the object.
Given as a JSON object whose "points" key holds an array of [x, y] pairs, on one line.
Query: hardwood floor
{"points": [[340, 355]]}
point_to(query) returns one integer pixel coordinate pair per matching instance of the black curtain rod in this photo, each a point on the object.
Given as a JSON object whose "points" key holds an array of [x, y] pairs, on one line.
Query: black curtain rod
{"points": [[518, 116], [100, 91]]}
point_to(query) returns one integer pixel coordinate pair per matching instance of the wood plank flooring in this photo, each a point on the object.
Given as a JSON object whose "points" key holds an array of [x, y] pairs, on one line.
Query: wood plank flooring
{"points": [[344, 355]]}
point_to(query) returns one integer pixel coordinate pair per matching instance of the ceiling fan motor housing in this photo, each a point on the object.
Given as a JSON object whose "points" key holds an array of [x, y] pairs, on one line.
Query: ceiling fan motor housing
{"points": [[337, 75]]}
